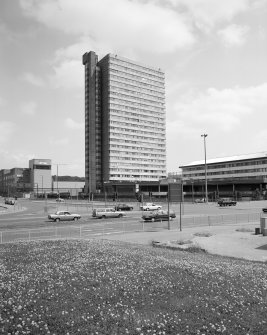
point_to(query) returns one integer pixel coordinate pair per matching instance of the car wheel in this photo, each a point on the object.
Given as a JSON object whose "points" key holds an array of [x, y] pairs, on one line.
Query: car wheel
{"points": [[153, 220], [75, 218], [104, 217], [170, 218], [57, 219], [120, 216]]}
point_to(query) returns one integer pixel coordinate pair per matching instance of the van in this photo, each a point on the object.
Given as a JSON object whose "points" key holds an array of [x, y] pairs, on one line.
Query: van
{"points": [[102, 213]]}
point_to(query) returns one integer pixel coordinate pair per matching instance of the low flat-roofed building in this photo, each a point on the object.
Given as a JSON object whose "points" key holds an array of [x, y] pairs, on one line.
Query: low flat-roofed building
{"points": [[237, 176], [73, 188]]}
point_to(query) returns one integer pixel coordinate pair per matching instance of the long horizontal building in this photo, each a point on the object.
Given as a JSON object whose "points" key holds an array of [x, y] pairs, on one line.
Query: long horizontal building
{"points": [[237, 176]]}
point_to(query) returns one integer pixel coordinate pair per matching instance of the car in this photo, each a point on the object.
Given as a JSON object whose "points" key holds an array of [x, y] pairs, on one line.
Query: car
{"points": [[199, 201], [226, 202], [9, 201], [63, 216], [160, 215], [123, 207], [150, 207], [103, 213], [60, 200], [264, 210]]}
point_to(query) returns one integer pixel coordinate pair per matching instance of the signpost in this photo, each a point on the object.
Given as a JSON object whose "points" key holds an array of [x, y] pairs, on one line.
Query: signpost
{"points": [[175, 194]]}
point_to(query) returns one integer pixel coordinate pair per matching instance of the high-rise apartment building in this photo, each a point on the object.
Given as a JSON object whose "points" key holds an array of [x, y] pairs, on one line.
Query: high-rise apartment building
{"points": [[125, 132]]}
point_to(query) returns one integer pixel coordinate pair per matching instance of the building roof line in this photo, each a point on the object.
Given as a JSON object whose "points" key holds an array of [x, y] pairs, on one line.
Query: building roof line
{"points": [[262, 154]]}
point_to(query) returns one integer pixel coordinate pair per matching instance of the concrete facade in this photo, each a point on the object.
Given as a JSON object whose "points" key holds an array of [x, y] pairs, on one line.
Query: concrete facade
{"points": [[236, 176], [10, 180], [36, 178], [125, 131], [40, 172]]}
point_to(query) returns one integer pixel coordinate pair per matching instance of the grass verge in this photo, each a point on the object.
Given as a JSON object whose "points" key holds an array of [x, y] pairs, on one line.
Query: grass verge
{"points": [[107, 287]]}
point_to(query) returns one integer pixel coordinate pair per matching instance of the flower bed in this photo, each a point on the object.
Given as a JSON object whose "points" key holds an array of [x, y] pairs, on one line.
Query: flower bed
{"points": [[101, 287]]}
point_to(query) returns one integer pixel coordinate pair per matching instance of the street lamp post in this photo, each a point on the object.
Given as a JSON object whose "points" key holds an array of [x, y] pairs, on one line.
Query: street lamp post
{"points": [[42, 186], [57, 164], [57, 178], [206, 183], [36, 189], [192, 185]]}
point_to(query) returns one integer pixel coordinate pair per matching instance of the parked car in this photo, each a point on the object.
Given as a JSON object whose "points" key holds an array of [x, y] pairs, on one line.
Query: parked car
{"points": [[103, 213], [160, 215], [123, 207], [9, 201], [150, 207], [264, 210], [60, 200], [63, 216], [226, 202], [198, 201]]}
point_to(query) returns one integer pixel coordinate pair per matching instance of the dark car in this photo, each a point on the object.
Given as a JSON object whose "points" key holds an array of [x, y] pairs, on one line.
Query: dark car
{"points": [[9, 201], [123, 207], [226, 202], [160, 215]]}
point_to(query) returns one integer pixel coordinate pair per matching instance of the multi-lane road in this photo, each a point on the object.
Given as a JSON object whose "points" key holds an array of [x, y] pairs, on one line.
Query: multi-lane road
{"points": [[34, 215]]}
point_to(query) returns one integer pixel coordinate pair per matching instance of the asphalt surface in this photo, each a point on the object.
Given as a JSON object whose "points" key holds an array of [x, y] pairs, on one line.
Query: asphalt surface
{"points": [[224, 238]]}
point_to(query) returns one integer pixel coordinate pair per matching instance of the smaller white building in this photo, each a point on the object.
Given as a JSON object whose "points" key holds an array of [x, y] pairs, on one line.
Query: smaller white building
{"points": [[40, 175]]}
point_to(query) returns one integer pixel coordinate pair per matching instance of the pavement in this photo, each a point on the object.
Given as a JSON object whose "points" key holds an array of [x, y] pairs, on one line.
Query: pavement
{"points": [[238, 240], [7, 209]]}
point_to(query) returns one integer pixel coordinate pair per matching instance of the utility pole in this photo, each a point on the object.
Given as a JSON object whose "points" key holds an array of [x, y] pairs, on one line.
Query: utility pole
{"points": [[42, 186], [206, 182], [57, 164]]}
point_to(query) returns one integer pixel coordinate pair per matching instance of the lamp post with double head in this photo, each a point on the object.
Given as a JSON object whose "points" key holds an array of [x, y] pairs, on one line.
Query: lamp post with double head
{"points": [[206, 183]]}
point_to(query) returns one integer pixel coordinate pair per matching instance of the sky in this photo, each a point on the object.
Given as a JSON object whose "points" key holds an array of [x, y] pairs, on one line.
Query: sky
{"points": [[213, 53]]}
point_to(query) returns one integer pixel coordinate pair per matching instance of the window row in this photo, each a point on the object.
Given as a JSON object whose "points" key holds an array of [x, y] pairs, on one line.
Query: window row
{"points": [[141, 112], [136, 96], [137, 104], [142, 85], [135, 128], [141, 78], [134, 66], [136, 117], [134, 153], [139, 140], [131, 170], [227, 165], [232, 172], [125, 132], [155, 94]]}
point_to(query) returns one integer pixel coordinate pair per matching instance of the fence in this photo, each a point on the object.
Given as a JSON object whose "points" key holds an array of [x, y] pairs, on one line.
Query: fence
{"points": [[104, 227], [81, 232], [212, 220]]}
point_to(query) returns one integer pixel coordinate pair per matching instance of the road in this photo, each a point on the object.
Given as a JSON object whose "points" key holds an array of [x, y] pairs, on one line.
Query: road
{"points": [[35, 216]]}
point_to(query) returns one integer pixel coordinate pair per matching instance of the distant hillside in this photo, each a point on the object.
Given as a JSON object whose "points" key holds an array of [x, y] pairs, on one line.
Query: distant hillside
{"points": [[68, 178]]}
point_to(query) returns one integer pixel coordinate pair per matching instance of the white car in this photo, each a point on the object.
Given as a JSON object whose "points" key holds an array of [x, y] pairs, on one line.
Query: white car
{"points": [[60, 200], [150, 207], [103, 213], [63, 216]]}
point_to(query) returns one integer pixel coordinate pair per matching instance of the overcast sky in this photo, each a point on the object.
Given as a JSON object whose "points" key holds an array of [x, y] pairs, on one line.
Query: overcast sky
{"points": [[213, 53]]}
